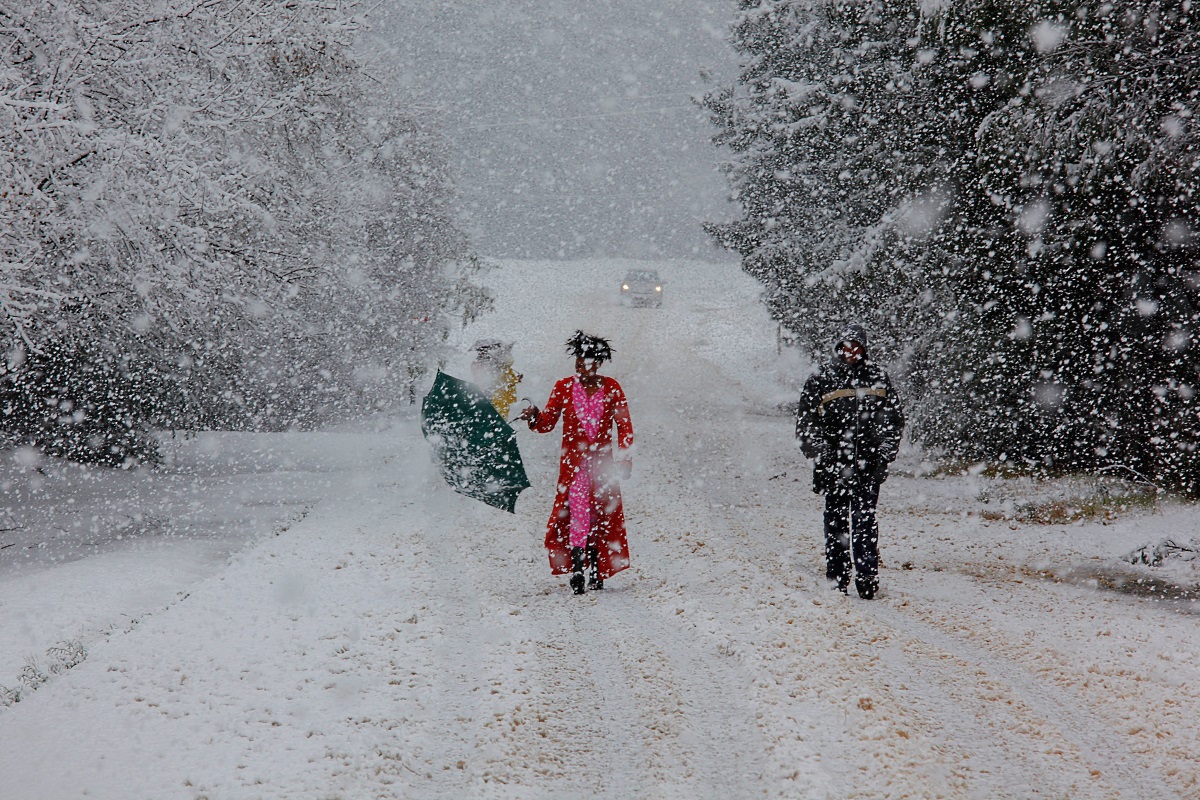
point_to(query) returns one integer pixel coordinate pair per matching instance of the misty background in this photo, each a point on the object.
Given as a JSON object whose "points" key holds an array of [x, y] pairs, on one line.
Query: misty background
{"points": [[570, 127]]}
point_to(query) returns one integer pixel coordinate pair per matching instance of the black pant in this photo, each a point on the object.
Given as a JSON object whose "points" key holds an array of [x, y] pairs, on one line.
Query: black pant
{"points": [[850, 527]]}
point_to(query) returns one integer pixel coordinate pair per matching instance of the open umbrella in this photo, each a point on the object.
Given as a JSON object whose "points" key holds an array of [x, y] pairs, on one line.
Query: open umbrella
{"points": [[472, 444]]}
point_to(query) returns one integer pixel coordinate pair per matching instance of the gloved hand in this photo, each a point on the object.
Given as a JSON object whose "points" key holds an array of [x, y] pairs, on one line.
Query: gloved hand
{"points": [[530, 414], [846, 478]]}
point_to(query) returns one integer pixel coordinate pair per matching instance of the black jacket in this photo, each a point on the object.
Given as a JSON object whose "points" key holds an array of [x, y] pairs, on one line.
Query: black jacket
{"points": [[850, 421]]}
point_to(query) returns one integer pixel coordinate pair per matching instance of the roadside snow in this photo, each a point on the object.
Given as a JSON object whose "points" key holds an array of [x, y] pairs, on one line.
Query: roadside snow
{"points": [[327, 620]]}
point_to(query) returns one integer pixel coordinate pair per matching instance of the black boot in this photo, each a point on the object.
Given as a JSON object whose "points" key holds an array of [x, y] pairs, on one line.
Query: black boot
{"points": [[577, 570], [594, 581], [867, 587], [842, 579]]}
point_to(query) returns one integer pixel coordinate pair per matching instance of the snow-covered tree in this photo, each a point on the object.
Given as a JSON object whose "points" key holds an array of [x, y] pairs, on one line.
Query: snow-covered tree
{"points": [[1073, 240], [1005, 191], [839, 175], [185, 192]]}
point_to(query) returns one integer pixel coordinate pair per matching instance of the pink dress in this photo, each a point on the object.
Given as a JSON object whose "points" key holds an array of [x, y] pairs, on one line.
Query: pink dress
{"points": [[588, 410], [597, 448]]}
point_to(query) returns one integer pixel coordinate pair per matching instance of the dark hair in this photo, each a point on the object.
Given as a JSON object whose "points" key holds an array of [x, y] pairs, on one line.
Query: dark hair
{"points": [[584, 345]]}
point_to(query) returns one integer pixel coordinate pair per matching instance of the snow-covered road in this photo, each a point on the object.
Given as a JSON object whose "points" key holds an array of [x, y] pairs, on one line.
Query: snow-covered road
{"points": [[401, 641]]}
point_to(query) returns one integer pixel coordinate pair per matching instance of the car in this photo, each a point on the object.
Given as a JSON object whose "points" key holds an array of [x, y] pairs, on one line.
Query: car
{"points": [[642, 287]]}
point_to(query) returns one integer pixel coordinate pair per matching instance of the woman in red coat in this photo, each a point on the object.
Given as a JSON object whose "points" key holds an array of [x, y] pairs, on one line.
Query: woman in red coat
{"points": [[587, 524]]}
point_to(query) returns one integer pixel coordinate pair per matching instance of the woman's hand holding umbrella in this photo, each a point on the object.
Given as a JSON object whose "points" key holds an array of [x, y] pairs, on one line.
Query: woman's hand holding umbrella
{"points": [[529, 413]]}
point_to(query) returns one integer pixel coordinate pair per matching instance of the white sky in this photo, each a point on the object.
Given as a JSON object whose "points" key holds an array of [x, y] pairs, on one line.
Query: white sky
{"points": [[570, 124]]}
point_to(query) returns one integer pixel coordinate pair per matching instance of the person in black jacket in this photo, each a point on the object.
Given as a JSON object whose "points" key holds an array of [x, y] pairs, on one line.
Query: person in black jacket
{"points": [[850, 421]]}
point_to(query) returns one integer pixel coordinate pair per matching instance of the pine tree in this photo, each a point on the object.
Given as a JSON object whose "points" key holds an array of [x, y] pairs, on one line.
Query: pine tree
{"points": [[834, 168], [1075, 247], [1006, 192]]}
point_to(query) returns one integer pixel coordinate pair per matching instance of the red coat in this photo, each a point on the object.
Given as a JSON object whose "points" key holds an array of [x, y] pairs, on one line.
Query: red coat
{"points": [[609, 531]]}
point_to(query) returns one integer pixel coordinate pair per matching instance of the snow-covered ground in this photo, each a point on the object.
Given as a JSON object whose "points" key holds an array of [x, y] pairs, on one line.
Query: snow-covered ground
{"points": [[317, 616]]}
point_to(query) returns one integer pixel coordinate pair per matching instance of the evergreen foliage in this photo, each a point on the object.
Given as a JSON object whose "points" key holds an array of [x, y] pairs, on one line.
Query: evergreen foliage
{"points": [[1006, 193], [78, 402]]}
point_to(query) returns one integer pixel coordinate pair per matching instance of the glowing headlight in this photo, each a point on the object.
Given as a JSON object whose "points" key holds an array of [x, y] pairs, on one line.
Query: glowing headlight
{"points": [[624, 287], [658, 288]]}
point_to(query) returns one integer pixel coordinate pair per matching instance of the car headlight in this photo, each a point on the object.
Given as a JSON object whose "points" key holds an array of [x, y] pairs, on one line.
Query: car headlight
{"points": [[624, 287], [658, 288]]}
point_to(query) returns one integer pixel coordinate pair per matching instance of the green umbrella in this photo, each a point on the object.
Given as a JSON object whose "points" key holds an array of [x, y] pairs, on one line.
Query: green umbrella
{"points": [[472, 444]]}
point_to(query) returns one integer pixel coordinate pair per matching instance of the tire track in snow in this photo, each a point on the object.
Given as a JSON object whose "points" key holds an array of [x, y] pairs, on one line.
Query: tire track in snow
{"points": [[687, 443], [590, 731], [1138, 697], [987, 699], [1031, 734], [1032, 710], [619, 704], [1105, 758], [424, 731], [696, 730], [451, 660], [802, 679], [559, 715]]}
